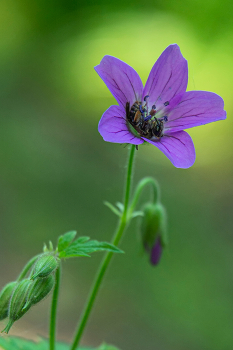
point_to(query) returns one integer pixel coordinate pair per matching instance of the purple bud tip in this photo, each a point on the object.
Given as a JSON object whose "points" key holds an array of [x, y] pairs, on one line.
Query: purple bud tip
{"points": [[156, 253]]}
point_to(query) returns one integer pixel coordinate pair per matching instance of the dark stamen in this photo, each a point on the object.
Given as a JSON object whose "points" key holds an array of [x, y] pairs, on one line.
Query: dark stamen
{"points": [[148, 118], [165, 118], [153, 107], [146, 97], [166, 103]]}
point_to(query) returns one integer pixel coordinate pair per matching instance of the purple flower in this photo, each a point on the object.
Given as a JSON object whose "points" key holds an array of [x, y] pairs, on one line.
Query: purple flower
{"points": [[159, 112]]}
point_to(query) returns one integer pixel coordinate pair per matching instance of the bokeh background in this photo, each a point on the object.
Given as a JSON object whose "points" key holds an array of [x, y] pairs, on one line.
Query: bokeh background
{"points": [[56, 171]]}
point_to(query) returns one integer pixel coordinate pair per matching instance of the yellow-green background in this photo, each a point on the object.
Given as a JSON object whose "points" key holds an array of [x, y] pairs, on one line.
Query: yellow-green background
{"points": [[56, 171]]}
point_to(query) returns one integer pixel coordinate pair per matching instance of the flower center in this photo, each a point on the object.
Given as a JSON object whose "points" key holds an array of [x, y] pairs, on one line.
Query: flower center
{"points": [[144, 121]]}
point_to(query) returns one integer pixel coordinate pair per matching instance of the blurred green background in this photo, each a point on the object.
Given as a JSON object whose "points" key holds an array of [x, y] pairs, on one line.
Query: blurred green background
{"points": [[56, 170]]}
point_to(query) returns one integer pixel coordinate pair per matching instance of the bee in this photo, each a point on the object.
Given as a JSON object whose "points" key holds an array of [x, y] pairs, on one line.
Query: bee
{"points": [[148, 126], [134, 115]]}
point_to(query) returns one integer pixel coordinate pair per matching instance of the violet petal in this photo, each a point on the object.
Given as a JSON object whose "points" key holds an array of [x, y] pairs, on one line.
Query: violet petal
{"points": [[121, 79], [178, 147], [196, 108], [168, 77], [113, 127], [156, 253]]}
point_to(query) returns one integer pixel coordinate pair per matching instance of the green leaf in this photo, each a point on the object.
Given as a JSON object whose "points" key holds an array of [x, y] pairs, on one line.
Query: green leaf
{"points": [[137, 213], [15, 343], [65, 240], [50, 246], [112, 208], [120, 206], [82, 239], [83, 247]]}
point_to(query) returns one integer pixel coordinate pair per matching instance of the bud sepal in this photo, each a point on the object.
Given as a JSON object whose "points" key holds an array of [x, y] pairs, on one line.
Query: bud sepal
{"points": [[45, 265], [17, 303], [153, 230], [5, 296], [39, 289]]}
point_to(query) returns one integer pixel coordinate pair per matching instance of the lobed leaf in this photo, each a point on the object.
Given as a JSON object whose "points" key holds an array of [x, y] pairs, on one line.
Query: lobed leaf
{"points": [[83, 247], [65, 240]]}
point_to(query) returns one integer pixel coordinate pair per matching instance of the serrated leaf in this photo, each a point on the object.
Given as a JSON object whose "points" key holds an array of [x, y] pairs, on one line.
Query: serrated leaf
{"points": [[84, 248], [83, 239], [15, 343], [65, 240], [112, 208], [72, 254]]}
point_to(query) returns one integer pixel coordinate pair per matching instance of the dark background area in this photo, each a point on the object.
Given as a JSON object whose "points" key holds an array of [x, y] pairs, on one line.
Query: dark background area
{"points": [[56, 171]]}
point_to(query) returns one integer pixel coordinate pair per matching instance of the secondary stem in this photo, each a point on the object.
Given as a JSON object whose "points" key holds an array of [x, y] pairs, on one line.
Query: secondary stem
{"points": [[52, 338], [121, 226], [25, 270], [138, 191]]}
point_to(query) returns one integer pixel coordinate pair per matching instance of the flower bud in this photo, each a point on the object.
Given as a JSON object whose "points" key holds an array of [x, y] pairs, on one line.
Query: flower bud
{"points": [[39, 289], [17, 302], [5, 296], [153, 230], [45, 265]]}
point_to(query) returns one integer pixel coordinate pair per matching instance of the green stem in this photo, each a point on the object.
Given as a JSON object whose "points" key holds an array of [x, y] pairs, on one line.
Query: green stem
{"points": [[121, 226], [27, 268], [137, 193], [53, 314]]}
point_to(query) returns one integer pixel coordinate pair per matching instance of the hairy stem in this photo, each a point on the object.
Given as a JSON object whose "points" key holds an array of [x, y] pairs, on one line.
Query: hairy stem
{"points": [[99, 277], [53, 314]]}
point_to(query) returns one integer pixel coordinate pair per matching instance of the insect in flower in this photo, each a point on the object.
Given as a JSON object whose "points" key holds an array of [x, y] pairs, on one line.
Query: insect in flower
{"points": [[145, 124], [159, 112]]}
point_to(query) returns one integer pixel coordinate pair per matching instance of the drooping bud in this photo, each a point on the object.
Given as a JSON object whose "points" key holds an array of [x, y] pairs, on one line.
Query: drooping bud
{"points": [[45, 265], [17, 302], [153, 230], [5, 296], [39, 289]]}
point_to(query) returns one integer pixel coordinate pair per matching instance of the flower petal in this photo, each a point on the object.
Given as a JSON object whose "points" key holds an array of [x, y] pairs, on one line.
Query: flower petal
{"points": [[168, 77], [178, 147], [156, 252], [196, 108], [113, 127], [121, 79]]}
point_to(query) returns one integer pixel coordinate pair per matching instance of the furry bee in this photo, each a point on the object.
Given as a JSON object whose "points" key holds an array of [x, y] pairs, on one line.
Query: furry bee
{"points": [[145, 126]]}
